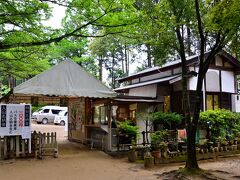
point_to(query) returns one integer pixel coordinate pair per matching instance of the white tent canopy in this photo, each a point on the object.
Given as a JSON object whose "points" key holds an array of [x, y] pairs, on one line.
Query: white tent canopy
{"points": [[65, 79]]}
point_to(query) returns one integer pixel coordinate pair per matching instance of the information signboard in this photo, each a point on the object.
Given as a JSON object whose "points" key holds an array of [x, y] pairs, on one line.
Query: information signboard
{"points": [[15, 119]]}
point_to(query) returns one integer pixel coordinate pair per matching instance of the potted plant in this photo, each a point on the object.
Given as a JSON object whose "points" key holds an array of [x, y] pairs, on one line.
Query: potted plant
{"points": [[237, 140], [148, 160], [157, 141], [127, 132], [224, 144], [132, 154], [164, 148]]}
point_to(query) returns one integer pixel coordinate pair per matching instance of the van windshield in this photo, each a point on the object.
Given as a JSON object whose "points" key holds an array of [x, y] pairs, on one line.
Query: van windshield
{"points": [[39, 110]]}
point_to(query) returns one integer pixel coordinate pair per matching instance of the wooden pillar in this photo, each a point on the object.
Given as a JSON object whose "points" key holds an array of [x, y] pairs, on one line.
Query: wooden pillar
{"points": [[12, 146], [5, 147], [52, 138], [17, 145], [48, 138], [0, 147], [23, 147], [29, 142], [43, 138], [109, 126], [220, 100]]}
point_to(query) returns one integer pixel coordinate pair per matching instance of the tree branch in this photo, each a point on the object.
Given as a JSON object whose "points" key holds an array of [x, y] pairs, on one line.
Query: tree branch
{"points": [[57, 39], [56, 2], [16, 14], [201, 33], [114, 25], [110, 33]]}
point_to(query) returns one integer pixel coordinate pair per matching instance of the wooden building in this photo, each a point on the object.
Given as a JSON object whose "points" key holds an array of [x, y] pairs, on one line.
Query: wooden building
{"points": [[83, 93], [164, 84]]}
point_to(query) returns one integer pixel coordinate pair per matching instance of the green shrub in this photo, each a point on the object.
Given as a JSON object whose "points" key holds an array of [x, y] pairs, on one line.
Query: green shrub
{"points": [[158, 139], [221, 123], [128, 128], [160, 117], [158, 136]]}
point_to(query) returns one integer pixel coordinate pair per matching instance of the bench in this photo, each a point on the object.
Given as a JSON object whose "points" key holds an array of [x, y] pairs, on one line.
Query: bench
{"points": [[92, 141]]}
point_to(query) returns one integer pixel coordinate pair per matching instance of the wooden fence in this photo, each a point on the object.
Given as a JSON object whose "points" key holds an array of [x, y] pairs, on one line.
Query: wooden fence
{"points": [[40, 144], [45, 144], [14, 146]]}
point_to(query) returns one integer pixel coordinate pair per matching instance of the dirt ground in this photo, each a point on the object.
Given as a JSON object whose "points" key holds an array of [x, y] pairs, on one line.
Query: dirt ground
{"points": [[76, 162], [61, 134]]}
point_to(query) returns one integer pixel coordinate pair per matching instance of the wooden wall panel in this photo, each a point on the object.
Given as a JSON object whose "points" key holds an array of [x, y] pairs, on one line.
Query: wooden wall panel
{"points": [[76, 118]]}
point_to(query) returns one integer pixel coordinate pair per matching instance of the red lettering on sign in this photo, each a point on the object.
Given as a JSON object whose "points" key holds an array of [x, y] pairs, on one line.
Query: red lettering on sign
{"points": [[20, 119]]}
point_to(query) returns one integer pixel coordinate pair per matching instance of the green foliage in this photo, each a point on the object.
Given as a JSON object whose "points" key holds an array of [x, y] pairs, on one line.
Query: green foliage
{"points": [[112, 51], [23, 62], [160, 117], [5, 90], [128, 128], [158, 138], [21, 27], [222, 123], [21, 22], [76, 50]]}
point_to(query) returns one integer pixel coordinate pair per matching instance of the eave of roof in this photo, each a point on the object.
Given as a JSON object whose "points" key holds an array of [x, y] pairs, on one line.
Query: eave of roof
{"points": [[138, 100], [156, 81], [165, 67]]}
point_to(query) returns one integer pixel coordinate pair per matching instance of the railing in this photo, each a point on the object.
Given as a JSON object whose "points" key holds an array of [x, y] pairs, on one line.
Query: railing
{"points": [[45, 144], [14, 146], [171, 137], [40, 144]]}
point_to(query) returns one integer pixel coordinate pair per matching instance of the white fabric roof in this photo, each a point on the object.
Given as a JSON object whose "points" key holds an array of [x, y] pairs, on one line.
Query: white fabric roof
{"points": [[65, 79], [147, 83]]}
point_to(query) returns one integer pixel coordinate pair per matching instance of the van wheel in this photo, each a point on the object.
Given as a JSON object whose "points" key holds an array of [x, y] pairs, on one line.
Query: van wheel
{"points": [[62, 123], [44, 120]]}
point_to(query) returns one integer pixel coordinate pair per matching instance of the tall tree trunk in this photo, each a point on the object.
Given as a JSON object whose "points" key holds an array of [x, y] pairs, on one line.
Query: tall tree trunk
{"points": [[191, 161], [126, 60], [149, 61], [100, 67], [192, 120], [123, 68], [113, 78], [122, 57], [189, 41], [11, 81]]}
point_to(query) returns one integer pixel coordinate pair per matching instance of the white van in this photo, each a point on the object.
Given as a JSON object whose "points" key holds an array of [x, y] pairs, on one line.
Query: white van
{"points": [[61, 118], [47, 114]]}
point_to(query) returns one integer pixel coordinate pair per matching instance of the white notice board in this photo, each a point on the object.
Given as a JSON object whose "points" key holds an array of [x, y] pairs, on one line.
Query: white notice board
{"points": [[15, 119]]}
